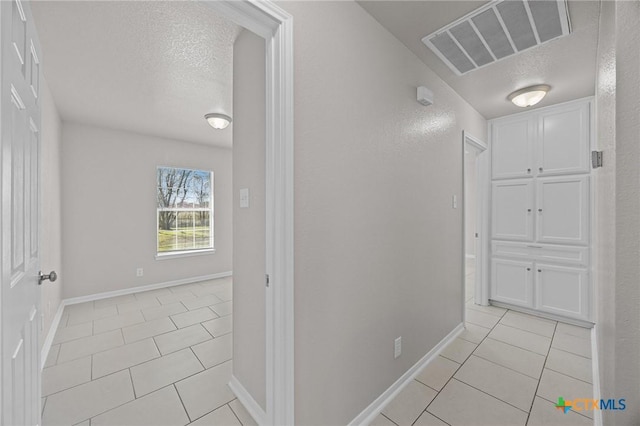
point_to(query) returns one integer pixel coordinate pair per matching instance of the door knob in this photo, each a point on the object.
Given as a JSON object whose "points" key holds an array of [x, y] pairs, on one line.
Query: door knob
{"points": [[51, 276]]}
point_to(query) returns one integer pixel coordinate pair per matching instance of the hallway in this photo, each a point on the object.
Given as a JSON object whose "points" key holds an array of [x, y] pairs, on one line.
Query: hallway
{"points": [[506, 368]]}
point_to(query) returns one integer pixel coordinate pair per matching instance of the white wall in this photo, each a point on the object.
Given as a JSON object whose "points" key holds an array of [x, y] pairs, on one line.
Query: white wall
{"points": [[249, 223], [109, 209], [618, 209], [378, 246], [51, 231]]}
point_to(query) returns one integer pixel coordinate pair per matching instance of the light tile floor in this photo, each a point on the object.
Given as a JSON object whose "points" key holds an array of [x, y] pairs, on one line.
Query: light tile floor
{"points": [[163, 357], [160, 357], [506, 368]]}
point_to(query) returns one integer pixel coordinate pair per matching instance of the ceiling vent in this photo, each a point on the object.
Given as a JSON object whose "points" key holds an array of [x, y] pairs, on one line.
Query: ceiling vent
{"points": [[498, 30]]}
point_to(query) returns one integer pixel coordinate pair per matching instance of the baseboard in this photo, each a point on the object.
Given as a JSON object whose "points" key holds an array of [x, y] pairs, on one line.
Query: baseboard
{"points": [[247, 400], [470, 256], [546, 315], [48, 341], [370, 413], [124, 291], [595, 366]]}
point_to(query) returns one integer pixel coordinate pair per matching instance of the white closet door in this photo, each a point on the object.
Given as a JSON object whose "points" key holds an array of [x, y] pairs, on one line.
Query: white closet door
{"points": [[562, 290], [512, 148], [562, 209], [512, 211], [511, 281], [563, 140]]}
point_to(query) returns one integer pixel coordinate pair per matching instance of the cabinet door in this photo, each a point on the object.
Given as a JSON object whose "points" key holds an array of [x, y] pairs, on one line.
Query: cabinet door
{"points": [[511, 282], [512, 212], [562, 290], [562, 210], [512, 147], [563, 140]]}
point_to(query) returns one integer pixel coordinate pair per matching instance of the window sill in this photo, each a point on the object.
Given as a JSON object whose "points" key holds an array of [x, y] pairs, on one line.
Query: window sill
{"points": [[190, 253]]}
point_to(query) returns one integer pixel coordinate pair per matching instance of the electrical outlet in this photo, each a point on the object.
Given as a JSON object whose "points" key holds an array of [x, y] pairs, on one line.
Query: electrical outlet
{"points": [[397, 347], [139, 272]]}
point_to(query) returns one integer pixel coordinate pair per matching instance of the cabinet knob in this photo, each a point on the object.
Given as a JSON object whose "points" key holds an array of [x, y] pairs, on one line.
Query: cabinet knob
{"points": [[528, 269], [529, 210], [528, 170], [540, 169], [539, 270], [540, 210]]}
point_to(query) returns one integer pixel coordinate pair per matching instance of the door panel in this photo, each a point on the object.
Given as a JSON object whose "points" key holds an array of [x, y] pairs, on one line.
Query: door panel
{"points": [[562, 290], [20, 292], [563, 210], [512, 211], [511, 282], [512, 148], [563, 141]]}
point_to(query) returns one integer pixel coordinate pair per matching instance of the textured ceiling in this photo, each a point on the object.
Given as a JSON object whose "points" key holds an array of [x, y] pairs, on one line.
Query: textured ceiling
{"points": [[148, 67], [567, 64]]}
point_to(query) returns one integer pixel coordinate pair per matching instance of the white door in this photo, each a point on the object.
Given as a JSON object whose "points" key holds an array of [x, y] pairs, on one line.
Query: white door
{"points": [[562, 290], [20, 293], [512, 215], [562, 209], [512, 148], [511, 281], [563, 140]]}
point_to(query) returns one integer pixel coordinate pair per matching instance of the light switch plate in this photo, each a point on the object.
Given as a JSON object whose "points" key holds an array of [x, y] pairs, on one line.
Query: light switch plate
{"points": [[244, 198]]}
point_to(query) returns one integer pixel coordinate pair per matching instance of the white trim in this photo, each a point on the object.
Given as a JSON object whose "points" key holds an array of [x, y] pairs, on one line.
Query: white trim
{"points": [[184, 253], [597, 414], [48, 341], [138, 289], [250, 404], [470, 256], [541, 314], [481, 291], [275, 25], [370, 413]]}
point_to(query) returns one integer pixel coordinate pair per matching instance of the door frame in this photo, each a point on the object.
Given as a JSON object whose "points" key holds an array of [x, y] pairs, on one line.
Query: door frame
{"points": [[481, 293], [275, 26]]}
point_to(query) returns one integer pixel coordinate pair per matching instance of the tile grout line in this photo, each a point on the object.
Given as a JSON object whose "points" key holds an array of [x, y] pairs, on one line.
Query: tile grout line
{"points": [[457, 369], [233, 411], [541, 373], [182, 402]]}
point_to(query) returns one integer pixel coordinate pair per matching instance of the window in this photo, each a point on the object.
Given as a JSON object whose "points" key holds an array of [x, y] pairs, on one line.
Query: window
{"points": [[185, 210]]}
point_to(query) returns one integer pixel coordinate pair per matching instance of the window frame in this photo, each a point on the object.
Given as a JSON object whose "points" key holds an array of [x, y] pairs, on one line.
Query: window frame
{"points": [[195, 251]]}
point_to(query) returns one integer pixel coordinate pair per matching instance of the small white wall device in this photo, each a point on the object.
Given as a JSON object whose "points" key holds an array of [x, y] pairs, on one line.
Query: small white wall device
{"points": [[425, 96]]}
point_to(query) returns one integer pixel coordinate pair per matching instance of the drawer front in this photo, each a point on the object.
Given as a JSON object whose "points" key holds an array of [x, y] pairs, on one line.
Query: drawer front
{"points": [[568, 255]]}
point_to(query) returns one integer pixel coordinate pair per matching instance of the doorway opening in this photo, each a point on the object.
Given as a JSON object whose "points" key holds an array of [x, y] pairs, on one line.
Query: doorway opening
{"points": [[475, 224]]}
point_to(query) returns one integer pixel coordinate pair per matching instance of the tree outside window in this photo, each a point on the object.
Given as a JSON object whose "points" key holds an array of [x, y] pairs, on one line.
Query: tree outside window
{"points": [[184, 210]]}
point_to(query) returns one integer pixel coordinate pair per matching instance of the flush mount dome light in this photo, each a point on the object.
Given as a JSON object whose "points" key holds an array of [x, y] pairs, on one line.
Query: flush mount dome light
{"points": [[217, 120], [529, 96]]}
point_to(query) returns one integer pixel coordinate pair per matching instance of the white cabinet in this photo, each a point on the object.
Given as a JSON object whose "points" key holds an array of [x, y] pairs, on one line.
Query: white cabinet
{"points": [[512, 148], [563, 140], [511, 281], [540, 210], [556, 289], [549, 141], [512, 213], [562, 290], [562, 210], [558, 210]]}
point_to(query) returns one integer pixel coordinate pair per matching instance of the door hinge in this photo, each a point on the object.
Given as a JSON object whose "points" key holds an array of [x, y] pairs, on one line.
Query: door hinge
{"points": [[596, 159], [267, 279]]}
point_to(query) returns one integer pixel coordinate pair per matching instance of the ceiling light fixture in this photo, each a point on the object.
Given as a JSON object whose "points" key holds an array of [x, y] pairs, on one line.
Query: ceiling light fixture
{"points": [[218, 121], [529, 96]]}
